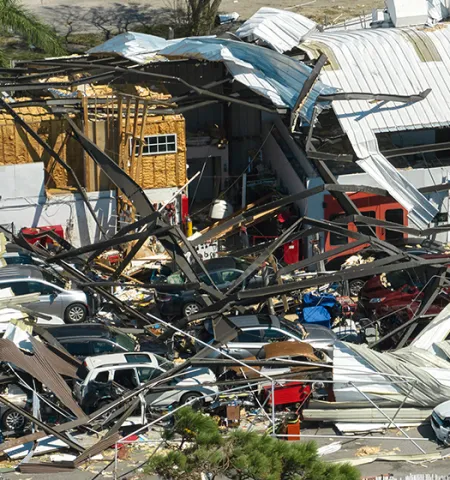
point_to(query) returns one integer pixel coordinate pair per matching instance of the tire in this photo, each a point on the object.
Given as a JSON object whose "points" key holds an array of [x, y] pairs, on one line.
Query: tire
{"points": [[190, 308], [75, 313], [105, 418], [13, 421], [355, 286], [191, 396]]}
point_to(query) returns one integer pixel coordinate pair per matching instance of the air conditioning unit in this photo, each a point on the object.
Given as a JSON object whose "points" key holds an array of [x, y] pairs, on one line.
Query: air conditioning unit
{"points": [[405, 13]]}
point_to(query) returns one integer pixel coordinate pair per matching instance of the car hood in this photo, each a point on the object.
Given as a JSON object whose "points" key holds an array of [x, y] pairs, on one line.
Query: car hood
{"points": [[373, 288], [196, 376], [443, 410]]}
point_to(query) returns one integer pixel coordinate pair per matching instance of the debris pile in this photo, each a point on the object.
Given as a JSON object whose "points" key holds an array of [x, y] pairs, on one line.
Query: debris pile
{"points": [[299, 299]]}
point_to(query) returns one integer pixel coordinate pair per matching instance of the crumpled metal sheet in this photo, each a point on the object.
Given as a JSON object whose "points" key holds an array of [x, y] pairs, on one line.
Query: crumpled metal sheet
{"points": [[429, 374], [43, 367], [405, 61], [281, 30], [276, 77], [137, 47], [420, 210]]}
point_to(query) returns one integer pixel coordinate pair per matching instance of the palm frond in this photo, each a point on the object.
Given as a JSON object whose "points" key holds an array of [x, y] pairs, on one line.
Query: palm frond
{"points": [[15, 17]]}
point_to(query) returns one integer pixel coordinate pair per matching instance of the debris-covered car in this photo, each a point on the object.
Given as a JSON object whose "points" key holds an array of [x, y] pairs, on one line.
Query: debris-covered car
{"points": [[130, 371], [54, 297], [255, 331], [393, 298], [92, 339], [223, 271]]}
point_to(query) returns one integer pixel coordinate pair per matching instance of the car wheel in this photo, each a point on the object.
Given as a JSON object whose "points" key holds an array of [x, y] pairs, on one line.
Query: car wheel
{"points": [[355, 286], [75, 313], [13, 421], [106, 417], [191, 308], [193, 398]]}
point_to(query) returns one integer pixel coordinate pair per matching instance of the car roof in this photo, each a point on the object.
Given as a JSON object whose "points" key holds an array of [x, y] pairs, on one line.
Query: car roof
{"points": [[118, 359], [16, 272], [82, 330], [249, 321]]}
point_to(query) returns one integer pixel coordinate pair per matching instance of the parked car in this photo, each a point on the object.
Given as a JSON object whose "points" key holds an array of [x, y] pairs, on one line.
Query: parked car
{"points": [[223, 272], [393, 298], [91, 339], [440, 422], [54, 298], [255, 331], [129, 371], [10, 420]]}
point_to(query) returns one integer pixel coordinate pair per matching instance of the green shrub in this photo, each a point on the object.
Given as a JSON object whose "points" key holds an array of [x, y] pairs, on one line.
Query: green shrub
{"points": [[238, 456]]}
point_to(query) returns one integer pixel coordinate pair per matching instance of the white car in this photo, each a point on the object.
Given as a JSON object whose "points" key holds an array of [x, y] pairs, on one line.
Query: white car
{"points": [[8, 314], [132, 369], [440, 421]]}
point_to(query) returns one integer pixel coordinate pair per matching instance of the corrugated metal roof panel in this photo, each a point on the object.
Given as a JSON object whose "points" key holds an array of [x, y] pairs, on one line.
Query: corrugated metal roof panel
{"points": [[268, 73], [390, 61], [138, 47], [280, 29]]}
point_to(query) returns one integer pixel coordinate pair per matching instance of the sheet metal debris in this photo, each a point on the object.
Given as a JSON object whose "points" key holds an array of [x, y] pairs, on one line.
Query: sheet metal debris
{"points": [[254, 335], [282, 30]]}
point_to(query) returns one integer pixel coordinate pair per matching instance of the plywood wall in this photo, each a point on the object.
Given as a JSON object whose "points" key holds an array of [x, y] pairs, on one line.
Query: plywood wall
{"points": [[156, 171], [17, 147], [150, 171]]}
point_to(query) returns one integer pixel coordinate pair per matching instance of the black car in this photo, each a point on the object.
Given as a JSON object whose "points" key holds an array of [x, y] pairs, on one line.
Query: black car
{"points": [[223, 272], [91, 339]]}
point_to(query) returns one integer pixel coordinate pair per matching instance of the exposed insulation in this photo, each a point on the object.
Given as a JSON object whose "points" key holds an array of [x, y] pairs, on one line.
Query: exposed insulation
{"points": [[159, 171], [150, 171], [17, 147]]}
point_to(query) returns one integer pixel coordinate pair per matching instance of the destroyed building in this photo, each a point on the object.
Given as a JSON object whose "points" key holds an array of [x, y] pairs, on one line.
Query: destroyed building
{"points": [[295, 146], [150, 147]]}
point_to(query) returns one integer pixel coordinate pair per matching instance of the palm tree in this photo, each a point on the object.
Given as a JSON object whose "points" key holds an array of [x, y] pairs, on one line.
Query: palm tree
{"points": [[16, 19]]}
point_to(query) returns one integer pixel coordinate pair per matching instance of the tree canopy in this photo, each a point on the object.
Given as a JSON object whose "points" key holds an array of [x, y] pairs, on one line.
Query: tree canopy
{"points": [[239, 455], [17, 20]]}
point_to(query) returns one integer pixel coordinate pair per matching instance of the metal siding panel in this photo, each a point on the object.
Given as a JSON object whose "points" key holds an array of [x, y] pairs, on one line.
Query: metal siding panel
{"points": [[280, 29]]}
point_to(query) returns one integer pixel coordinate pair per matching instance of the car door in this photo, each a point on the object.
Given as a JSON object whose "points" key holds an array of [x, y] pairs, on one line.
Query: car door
{"points": [[126, 378], [146, 374], [78, 348], [49, 302], [247, 343]]}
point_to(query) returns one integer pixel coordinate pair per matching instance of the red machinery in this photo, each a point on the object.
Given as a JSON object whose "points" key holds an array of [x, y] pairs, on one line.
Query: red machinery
{"points": [[45, 240], [293, 393]]}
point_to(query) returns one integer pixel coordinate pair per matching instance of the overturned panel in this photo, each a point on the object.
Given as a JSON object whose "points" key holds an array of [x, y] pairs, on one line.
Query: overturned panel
{"points": [[281, 30], [270, 74]]}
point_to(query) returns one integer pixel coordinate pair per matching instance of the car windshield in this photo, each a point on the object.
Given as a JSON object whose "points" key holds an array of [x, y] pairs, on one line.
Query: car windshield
{"points": [[124, 340], [163, 362], [292, 328], [413, 277], [176, 278], [48, 277]]}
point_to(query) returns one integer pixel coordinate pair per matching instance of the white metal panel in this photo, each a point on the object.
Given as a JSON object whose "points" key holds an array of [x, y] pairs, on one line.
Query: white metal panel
{"points": [[390, 61], [280, 29], [270, 74]]}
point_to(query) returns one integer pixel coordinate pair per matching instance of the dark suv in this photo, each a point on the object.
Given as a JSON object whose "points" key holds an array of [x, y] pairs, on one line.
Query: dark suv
{"points": [[223, 272], [91, 339]]}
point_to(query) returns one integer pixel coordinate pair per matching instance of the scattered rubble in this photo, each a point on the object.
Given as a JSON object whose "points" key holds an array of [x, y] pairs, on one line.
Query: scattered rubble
{"points": [[296, 302]]}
